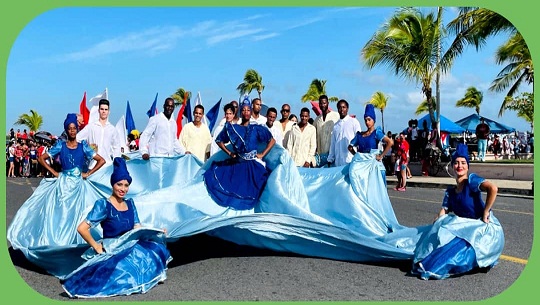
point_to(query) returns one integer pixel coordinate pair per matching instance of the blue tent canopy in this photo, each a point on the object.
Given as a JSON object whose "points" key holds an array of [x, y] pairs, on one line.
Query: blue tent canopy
{"points": [[469, 123], [446, 124]]}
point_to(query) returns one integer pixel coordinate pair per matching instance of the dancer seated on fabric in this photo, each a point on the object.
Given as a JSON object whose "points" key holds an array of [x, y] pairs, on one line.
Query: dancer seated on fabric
{"points": [[366, 141], [472, 238], [73, 155], [118, 268], [222, 178]]}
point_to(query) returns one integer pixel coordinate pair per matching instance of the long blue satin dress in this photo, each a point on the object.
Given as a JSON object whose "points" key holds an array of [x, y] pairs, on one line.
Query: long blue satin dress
{"points": [[238, 182], [51, 215], [135, 260], [459, 243], [368, 143]]}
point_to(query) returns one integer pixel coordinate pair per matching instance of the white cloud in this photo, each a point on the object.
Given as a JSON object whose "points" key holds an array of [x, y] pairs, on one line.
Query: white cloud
{"points": [[265, 36]]}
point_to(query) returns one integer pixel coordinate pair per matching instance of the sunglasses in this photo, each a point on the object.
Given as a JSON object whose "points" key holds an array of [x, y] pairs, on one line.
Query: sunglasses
{"points": [[286, 110]]}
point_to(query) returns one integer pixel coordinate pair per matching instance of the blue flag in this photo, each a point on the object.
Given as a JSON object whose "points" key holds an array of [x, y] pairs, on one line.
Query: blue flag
{"points": [[153, 110], [130, 123], [187, 111], [213, 114]]}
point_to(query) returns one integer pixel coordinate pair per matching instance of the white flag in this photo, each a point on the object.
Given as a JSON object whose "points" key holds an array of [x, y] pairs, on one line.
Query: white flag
{"points": [[122, 133], [94, 104], [198, 101]]}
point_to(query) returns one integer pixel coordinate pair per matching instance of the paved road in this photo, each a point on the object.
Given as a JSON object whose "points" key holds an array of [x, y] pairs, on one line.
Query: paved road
{"points": [[205, 268]]}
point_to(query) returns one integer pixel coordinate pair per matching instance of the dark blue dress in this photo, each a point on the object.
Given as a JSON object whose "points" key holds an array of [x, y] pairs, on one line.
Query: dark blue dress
{"points": [[134, 260], [238, 182]]}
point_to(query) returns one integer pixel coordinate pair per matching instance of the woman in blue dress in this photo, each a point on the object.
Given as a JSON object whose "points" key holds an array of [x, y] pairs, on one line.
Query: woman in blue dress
{"points": [[50, 215], [368, 141], [469, 238], [238, 181], [129, 259]]}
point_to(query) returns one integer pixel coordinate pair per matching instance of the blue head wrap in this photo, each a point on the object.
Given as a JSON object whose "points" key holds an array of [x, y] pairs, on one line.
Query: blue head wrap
{"points": [[245, 101], [461, 151], [120, 171], [71, 118], [370, 112]]}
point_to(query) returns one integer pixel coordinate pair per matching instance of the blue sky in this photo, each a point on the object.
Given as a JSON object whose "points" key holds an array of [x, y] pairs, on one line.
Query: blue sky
{"points": [[138, 52]]}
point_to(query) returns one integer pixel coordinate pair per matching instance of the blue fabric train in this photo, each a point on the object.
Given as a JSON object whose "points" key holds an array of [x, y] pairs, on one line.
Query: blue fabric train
{"points": [[339, 213]]}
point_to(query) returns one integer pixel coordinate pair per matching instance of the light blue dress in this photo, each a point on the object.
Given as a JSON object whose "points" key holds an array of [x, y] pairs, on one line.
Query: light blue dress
{"points": [[461, 242], [135, 260]]}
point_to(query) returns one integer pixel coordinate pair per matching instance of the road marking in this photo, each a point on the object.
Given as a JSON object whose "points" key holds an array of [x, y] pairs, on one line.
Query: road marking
{"points": [[514, 259]]}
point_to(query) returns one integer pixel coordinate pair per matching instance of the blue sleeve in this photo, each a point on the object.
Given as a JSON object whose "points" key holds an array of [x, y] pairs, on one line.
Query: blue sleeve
{"points": [[474, 182], [379, 134], [89, 153], [98, 212], [223, 136], [263, 134], [55, 149], [135, 214], [354, 141]]}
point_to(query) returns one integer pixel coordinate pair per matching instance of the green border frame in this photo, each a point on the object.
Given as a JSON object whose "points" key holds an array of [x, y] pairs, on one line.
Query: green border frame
{"points": [[14, 16]]}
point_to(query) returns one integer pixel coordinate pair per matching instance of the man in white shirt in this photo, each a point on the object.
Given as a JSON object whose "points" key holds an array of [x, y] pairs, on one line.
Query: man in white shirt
{"points": [[256, 116], [302, 140], [344, 131], [159, 137], [102, 135], [195, 136], [324, 124], [275, 129]]}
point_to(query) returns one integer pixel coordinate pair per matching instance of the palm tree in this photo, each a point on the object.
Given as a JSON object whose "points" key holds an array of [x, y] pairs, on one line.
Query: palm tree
{"points": [[474, 25], [33, 120], [252, 80], [180, 96], [409, 45], [379, 101], [472, 99], [316, 89], [423, 107], [519, 68]]}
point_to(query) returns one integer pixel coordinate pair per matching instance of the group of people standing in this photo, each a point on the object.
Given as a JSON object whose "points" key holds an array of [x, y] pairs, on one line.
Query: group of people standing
{"points": [[234, 177]]}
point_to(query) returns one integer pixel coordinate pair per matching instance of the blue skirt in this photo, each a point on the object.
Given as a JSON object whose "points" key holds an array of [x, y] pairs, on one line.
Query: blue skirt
{"points": [[236, 183], [456, 257], [134, 270]]}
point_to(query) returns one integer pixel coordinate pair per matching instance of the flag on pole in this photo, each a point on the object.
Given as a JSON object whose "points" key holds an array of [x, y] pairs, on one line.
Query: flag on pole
{"points": [[187, 111], [84, 111], [213, 114], [180, 116], [130, 123], [198, 101], [153, 110], [94, 110], [121, 132]]}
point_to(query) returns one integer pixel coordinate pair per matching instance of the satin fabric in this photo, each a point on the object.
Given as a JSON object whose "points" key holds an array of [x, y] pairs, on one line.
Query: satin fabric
{"points": [[134, 263], [339, 213]]}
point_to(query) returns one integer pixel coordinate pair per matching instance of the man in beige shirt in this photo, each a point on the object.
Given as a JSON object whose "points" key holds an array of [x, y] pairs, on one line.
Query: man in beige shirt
{"points": [[324, 124], [195, 136], [302, 140]]}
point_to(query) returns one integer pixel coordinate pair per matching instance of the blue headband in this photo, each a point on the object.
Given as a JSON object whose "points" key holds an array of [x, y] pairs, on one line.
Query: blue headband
{"points": [[370, 112], [461, 151], [71, 118], [120, 171]]}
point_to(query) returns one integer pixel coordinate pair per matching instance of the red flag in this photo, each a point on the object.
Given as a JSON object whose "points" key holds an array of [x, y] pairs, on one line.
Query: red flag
{"points": [[180, 117], [84, 110]]}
